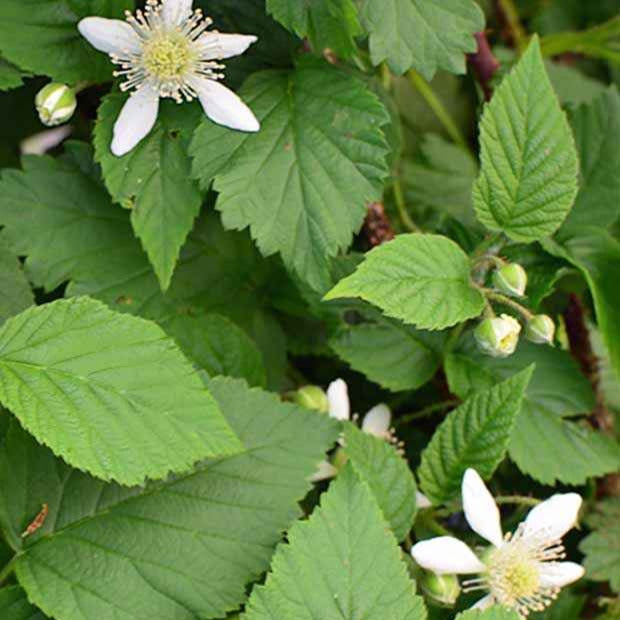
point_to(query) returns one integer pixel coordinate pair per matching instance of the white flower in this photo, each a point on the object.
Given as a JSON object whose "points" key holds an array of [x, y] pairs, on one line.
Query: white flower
{"points": [[166, 51], [521, 571]]}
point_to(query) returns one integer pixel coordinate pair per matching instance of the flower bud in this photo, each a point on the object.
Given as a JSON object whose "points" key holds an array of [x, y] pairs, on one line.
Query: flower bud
{"points": [[511, 280], [55, 104], [498, 336], [312, 397], [441, 589], [540, 329]]}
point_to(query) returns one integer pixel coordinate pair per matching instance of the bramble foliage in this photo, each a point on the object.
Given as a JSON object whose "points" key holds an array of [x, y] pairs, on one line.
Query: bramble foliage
{"points": [[256, 324]]}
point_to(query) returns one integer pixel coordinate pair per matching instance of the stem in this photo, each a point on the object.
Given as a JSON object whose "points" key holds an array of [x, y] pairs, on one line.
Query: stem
{"points": [[503, 299], [433, 101], [511, 15], [521, 500], [426, 412], [80, 86], [8, 569], [402, 208]]}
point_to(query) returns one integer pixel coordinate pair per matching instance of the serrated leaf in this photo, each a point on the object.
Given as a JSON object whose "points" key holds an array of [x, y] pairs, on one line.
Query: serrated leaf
{"points": [[395, 356], [597, 134], [184, 548], [543, 444], [109, 393], [215, 344], [424, 34], [602, 546], [475, 434], [329, 24], [387, 474], [16, 294], [528, 178], [42, 36], [494, 613], [10, 76], [154, 180], [359, 572], [15, 606], [306, 179], [423, 280]]}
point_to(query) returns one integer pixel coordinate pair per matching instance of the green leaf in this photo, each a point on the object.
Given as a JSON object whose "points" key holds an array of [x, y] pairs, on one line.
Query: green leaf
{"points": [[216, 345], [528, 179], [10, 76], [42, 36], [543, 444], [330, 24], [109, 393], [424, 34], [16, 294], [421, 279], [387, 474], [597, 133], [359, 572], [395, 356], [184, 548], [494, 613], [154, 180], [15, 606], [602, 547], [305, 180], [568, 606], [476, 434]]}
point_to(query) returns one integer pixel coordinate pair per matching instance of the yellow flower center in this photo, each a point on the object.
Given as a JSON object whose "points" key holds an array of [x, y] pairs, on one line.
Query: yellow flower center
{"points": [[167, 56], [514, 574]]}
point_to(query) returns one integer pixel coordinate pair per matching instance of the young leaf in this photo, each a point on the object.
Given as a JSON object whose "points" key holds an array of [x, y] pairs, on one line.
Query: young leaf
{"points": [[16, 294], [15, 606], [424, 34], [183, 548], [42, 36], [153, 180], [358, 573], [597, 133], [109, 393], [395, 356], [306, 179], [331, 24], [476, 434], [421, 279], [528, 179], [387, 474]]}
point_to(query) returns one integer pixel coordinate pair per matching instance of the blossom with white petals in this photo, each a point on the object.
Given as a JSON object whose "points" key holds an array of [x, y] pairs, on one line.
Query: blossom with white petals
{"points": [[166, 51], [521, 571]]}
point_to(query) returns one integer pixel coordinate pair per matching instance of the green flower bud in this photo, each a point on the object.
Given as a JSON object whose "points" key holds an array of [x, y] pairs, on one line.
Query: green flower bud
{"points": [[441, 589], [55, 104], [312, 397], [510, 280], [498, 336], [540, 329]]}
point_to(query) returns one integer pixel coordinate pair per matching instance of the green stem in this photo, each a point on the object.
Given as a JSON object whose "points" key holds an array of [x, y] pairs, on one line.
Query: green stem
{"points": [[426, 412], [399, 197], [433, 101], [511, 13], [511, 303], [8, 569], [80, 86], [521, 500]]}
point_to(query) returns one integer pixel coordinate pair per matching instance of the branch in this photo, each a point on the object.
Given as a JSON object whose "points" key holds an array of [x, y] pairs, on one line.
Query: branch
{"points": [[484, 64]]}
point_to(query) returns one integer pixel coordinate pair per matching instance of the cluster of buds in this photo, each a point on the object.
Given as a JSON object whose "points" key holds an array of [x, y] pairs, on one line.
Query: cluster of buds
{"points": [[499, 335], [55, 104]]}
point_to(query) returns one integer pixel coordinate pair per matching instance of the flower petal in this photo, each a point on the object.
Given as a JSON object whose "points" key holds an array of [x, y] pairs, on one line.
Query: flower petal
{"points": [[484, 603], [422, 501], [324, 471], [217, 46], [135, 120], [377, 420], [173, 12], [40, 143], [554, 517], [446, 556], [223, 106], [481, 511], [111, 36], [559, 574], [338, 397]]}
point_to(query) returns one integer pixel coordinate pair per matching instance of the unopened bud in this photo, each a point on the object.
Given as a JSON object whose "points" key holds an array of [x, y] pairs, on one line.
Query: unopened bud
{"points": [[498, 336], [442, 589], [511, 280], [55, 104], [540, 329], [312, 397]]}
